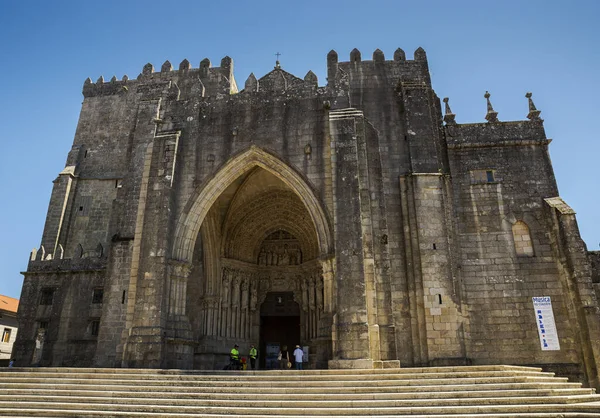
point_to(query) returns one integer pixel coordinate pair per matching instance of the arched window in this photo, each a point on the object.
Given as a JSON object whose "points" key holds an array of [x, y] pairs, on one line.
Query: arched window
{"points": [[522, 239]]}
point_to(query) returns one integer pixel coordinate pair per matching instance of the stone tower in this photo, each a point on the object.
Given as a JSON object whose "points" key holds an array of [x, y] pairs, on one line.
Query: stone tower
{"points": [[354, 218]]}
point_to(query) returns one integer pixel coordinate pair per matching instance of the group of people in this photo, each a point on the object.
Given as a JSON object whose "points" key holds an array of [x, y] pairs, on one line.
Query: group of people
{"points": [[236, 361], [283, 357]]}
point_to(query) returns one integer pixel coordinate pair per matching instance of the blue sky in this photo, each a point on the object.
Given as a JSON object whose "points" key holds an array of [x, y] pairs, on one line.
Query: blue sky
{"points": [[508, 47]]}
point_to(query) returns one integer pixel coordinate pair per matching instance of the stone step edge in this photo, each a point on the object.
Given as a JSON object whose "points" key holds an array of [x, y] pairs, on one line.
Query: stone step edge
{"points": [[59, 413], [305, 383], [225, 411], [323, 371], [7, 393], [312, 390], [277, 378], [308, 404]]}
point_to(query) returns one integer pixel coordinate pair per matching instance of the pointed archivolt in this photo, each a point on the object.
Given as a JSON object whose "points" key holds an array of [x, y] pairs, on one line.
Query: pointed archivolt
{"points": [[188, 225]]}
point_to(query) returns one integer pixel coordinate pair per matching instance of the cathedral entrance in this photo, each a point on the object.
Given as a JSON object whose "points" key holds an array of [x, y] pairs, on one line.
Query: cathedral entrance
{"points": [[258, 277], [279, 327]]}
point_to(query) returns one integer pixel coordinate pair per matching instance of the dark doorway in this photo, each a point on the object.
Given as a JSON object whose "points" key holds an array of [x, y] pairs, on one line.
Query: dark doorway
{"points": [[279, 326]]}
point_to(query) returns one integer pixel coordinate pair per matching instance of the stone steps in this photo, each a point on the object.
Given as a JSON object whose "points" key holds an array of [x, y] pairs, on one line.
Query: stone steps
{"points": [[482, 391], [23, 394]]}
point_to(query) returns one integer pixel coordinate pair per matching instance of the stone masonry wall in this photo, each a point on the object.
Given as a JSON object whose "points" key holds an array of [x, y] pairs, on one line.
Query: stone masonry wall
{"points": [[595, 262], [499, 284]]}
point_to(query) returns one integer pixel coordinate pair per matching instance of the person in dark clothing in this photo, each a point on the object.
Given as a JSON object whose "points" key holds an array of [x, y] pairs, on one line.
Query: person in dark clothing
{"points": [[283, 357]]}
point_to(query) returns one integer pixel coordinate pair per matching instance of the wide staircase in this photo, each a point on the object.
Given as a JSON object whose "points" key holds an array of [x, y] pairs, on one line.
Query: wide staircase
{"points": [[477, 391]]}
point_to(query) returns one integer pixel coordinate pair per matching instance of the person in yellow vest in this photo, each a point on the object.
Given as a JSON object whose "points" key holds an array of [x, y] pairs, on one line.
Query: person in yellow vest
{"points": [[252, 354], [235, 357]]}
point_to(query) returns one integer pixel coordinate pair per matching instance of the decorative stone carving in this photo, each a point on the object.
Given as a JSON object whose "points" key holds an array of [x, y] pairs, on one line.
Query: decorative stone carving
{"points": [[280, 249]]}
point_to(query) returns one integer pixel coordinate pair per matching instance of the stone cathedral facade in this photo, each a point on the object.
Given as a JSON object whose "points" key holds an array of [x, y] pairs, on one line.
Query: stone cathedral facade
{"points": [[356, 218]]}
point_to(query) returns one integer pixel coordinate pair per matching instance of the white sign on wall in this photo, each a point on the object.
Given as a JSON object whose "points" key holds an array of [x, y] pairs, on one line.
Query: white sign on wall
{"points": [[544, 318]]}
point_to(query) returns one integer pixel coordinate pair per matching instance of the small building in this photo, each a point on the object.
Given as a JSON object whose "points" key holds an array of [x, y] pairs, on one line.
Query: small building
{"points": [[8, 327]]}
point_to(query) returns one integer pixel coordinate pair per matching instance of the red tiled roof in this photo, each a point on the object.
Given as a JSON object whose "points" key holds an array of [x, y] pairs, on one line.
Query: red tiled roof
{"points": [[8, 304]]}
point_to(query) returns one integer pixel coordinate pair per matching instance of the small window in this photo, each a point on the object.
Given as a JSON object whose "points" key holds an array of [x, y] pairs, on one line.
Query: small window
{"points": [[483, 176], [42, 324], [6, 335], [94, 327], [47, 296], [98, 295]]}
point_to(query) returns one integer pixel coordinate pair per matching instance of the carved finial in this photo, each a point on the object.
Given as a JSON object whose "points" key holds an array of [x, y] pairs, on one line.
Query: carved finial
{"points": [[251, 83], [355, 55], [166, 67], [113, 79], [399, 55], [87, 81], [185, 65], [533, 114], [125, 78], [277, 64], [311, 78], [449, 116], [492, 115], [100, 80], [148, 69], [378, 55]]}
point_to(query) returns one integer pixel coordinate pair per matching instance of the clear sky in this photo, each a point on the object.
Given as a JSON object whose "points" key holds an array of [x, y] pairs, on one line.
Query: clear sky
{"points": [[49, 48]]}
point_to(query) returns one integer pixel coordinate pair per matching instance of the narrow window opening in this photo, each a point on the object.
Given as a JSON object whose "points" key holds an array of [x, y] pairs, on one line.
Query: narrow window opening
{"points": [[123, 298], [43, 325], [439, 298], [405, 138], [434, 247], [47, 296], [94, 327], [490, 176], [6, 335], [98, 295], [85, 154], [80, 208]]}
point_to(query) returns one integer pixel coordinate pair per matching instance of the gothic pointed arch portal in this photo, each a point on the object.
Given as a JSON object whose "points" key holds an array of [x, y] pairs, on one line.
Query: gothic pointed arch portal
{"points": [[254, 230], [190, 221]]}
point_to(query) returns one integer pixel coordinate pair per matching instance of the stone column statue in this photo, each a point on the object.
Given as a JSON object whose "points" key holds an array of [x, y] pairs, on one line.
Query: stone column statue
{"points": [[39, 347], [253, 295]]}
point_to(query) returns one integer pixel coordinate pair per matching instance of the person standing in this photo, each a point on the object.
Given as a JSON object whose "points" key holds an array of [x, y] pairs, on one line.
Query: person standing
{"points": [[283, 357], [235, 357], [252, 354], [298, 355]]}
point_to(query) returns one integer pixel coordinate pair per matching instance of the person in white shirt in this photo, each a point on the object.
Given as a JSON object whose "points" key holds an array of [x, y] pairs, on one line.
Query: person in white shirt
{"points": [[298, 354]]}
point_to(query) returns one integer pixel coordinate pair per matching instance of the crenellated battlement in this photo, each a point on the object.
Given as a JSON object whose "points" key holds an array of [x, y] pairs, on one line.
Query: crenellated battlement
{"points": [[212, 80], [81, 260], [415, 70]]}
